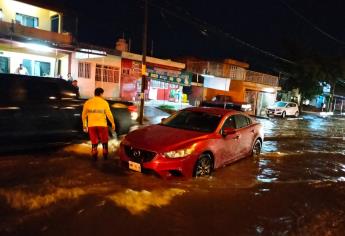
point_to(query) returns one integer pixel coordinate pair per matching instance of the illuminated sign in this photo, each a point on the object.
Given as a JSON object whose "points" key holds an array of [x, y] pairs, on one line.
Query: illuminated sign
{"points": [[173, 77]]}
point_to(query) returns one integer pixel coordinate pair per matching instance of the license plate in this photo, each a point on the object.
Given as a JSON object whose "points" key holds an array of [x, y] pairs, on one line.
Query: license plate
{"points": [[134, 166]]}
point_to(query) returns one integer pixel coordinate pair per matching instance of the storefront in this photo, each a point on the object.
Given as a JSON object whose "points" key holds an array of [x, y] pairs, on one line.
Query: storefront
{"points": [[165, 78], [259, 100], [167, 84]]}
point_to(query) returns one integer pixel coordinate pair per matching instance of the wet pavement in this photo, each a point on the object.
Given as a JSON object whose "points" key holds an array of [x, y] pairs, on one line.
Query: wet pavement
{"points": [[296, 187]]}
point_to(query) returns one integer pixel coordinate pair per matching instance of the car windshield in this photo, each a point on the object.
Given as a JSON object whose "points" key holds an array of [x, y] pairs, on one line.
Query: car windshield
{"points": [[280, 104], [193, 120]]}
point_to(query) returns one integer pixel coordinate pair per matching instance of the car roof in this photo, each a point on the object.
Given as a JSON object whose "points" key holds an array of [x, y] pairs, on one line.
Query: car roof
{"points": [[213, 110], [31, 78]]}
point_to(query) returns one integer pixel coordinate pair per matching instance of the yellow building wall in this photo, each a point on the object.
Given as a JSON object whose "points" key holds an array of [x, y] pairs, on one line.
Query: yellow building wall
{"points": [[10, 8]]}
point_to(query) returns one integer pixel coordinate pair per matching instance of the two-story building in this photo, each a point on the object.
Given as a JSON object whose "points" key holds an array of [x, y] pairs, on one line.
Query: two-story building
{"points": [[33, 36], [232, 78]]}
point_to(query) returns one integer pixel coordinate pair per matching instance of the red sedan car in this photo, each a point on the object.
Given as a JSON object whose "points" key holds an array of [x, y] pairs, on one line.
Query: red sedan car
{"points": [[192, 142]]}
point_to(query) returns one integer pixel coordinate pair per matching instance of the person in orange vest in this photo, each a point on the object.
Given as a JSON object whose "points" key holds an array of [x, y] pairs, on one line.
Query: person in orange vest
{"points": [[96, 110]]}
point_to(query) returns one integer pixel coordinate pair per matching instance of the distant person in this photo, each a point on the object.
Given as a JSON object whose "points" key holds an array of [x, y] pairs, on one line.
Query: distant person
{"points": [[96, 110], [75, 85], [69, 77], [21, 70], [323, 106]]}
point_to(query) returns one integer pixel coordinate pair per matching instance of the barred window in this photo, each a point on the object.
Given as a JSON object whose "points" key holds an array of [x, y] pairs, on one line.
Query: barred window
{"points": [[84, 69], [107, 73]]}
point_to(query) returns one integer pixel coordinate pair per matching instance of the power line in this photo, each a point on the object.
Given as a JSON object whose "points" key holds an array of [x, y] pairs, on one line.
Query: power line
{"points": [[311, 23], [204, 27]]}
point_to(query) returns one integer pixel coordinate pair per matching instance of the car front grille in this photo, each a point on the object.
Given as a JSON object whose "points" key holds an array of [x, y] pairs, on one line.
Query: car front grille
{"points": [[139, 155], [271, 110]]}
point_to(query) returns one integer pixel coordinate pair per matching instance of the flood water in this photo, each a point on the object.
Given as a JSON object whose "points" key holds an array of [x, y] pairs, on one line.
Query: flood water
{"points": [[296, 187]]}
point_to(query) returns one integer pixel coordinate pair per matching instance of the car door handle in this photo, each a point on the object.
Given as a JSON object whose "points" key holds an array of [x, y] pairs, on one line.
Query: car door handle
{"points": [[236, 137], [253, 131]]}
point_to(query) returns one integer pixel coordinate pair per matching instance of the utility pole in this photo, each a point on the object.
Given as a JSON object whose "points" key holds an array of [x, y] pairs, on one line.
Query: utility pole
{"points": [[143, 67]]}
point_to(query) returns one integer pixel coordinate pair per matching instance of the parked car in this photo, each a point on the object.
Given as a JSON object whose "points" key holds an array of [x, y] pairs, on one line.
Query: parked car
{"points": [[283, 109], [40, 110], [192, 142], [226, 102]]}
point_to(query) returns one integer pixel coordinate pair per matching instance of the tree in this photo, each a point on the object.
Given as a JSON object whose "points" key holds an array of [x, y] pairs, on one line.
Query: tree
{"points": [[311, 71]]}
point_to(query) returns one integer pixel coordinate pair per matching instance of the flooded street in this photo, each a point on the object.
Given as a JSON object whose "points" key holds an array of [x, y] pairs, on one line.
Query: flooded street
{"points": [[296, 187]]}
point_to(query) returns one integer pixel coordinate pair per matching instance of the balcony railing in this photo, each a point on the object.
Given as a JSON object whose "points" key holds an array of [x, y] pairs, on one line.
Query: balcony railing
{"points": [[261, 78], [217, 69], [15, 29]]}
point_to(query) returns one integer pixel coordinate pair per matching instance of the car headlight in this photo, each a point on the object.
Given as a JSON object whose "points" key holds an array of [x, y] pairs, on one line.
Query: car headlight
{"points": [[180, 153]]}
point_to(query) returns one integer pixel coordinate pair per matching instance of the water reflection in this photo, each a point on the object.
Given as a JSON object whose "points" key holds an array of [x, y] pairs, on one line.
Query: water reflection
{"points": [[309, 126], [266, 173], [138, 202]]}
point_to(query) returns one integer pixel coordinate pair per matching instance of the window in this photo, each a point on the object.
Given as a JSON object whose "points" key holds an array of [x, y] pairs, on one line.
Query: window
{"points": [[193, 120], [39, 91], [38, 68], [230, 123], [55, 23], [106, 73], [12, 90], [4, 65], [242, 121], [42, 68], [26, 20], [84, 69]]}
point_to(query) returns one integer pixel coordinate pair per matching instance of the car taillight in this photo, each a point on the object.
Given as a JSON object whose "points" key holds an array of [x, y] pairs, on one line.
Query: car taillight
{"points": [[132, 108]]}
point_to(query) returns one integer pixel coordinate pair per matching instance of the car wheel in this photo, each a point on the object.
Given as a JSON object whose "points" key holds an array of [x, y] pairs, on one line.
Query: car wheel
{"points": [[296, 114], [283, 114], [203, 166], [256, 148]]}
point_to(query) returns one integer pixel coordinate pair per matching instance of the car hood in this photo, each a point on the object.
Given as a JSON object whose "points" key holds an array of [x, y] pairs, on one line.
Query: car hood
{"points": [[161, 138]]}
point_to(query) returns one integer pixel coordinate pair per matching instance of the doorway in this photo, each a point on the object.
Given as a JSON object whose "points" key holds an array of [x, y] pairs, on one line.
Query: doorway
{"points": [[55, 23]]}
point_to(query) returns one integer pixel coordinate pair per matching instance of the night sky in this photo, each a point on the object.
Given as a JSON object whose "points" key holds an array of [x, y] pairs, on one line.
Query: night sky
{"points": [[213, 29]]}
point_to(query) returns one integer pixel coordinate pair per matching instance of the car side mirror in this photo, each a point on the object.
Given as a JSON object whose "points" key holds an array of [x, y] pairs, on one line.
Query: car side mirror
{"points": [[227, 131]]}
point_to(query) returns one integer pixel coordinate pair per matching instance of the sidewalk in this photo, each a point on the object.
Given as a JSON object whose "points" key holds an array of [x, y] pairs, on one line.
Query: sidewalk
{"points": [[153, 115], [157, 103]]}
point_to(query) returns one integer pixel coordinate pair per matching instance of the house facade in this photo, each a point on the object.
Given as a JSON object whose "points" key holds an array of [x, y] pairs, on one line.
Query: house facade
{"points": [[34, 37], [232, 78]]}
